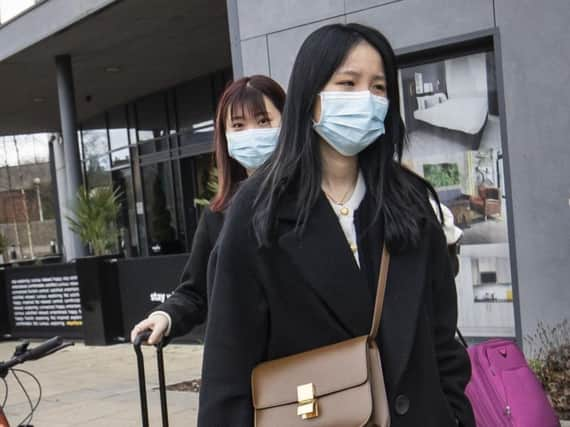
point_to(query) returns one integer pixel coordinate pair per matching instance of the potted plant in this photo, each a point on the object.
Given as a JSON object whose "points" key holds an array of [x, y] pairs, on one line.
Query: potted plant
{"points": [[550, 360], [94, 220], [210, 190]]}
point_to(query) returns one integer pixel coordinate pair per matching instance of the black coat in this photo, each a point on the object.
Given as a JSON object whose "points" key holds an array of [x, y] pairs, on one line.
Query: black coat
{"points": [[304, 293], [187, 306]]}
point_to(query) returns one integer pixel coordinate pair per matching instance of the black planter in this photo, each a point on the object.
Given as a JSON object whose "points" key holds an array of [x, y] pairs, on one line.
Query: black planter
{"points": [[100, 300], [4, 323], [145, 282]]}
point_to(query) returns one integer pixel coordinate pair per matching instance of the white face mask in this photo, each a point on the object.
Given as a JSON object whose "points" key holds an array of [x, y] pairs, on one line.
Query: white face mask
{"points": [[351, 121], [252, 147]]}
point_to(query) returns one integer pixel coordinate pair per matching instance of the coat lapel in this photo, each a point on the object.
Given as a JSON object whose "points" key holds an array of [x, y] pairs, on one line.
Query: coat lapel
{"points": [[325, 260], [404, 288], [400, 315]]}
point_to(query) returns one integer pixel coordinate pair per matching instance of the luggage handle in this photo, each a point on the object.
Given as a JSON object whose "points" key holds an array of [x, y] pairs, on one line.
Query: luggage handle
{"points": [[139, 339]]}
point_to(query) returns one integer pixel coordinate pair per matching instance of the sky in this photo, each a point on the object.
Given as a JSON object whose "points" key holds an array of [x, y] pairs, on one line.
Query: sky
{"points": [[32, 148], [10, 8]]}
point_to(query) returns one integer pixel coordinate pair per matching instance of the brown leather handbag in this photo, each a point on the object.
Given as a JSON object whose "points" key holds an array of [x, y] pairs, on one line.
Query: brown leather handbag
{"points": [[339, 385]]}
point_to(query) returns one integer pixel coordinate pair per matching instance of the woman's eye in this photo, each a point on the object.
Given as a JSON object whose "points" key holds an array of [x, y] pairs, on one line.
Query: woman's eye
{"points": [[346, 83], [380, 88], [263, 122], [236, 125]]}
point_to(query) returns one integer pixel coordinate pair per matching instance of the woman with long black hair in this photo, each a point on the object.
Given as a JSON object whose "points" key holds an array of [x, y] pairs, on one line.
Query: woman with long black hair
{"points": [[297, 263], [245, 134]]}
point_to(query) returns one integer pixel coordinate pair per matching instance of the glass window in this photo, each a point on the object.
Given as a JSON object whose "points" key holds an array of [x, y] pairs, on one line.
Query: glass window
{"points": [[154, 146], [94, 137], [151, 117], [131, 120], [120, 157], [98, 171], [118, 128], [160, 209], [127, 221], [451, 112], [181, 208], [195, 108]]}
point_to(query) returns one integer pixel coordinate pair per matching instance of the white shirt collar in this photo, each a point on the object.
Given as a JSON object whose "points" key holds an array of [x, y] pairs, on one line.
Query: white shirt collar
{"points": [[358, 194]]}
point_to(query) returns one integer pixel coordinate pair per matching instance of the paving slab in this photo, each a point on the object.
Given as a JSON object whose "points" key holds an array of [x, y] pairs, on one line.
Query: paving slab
{"points": [[98, 386]]}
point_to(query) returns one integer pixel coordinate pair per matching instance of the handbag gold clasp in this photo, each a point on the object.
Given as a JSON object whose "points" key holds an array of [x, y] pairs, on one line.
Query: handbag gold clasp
{"points": [[308, 406]]}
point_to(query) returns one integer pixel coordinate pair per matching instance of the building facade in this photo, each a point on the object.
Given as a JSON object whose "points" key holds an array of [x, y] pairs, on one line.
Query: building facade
{"points": [[502, 168], [132, 86]]}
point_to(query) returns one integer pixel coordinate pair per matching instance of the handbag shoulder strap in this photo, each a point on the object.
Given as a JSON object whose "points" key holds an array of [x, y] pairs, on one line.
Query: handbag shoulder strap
{"points": [[380, 292]]}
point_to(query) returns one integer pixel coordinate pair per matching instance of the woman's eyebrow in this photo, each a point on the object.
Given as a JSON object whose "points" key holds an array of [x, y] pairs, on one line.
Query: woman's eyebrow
{"points": [[355, 73], [349, 72]]}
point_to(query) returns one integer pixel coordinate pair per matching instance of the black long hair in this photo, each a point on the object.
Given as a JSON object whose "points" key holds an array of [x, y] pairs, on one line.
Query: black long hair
{"points": [[295, 166]]}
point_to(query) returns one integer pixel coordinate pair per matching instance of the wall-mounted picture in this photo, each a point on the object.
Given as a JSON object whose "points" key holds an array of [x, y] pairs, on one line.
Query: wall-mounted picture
{"points": [[450, 108]]}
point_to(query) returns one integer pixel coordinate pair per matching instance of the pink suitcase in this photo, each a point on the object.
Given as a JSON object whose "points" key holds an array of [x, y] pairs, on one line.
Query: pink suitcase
{"points": [[503, 390]]}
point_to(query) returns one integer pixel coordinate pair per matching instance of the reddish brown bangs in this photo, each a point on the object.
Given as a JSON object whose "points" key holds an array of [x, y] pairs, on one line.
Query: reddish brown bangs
{"points": [[247, 101]]}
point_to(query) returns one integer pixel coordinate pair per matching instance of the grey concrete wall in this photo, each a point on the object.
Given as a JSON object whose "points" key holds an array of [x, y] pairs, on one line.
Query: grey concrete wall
{"points": [[536, 67], [536, 72]]}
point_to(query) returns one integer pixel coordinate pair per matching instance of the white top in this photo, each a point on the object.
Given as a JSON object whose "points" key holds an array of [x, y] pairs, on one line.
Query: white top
{"points": [[452, 232], [345, 214]]}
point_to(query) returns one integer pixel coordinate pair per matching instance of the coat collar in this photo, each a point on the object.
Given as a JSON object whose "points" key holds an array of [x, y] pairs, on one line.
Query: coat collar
{"points": [[324, 259]]}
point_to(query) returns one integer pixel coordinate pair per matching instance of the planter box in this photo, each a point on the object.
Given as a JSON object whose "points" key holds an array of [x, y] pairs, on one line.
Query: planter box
{"points": [[4, 328], [41, 301], [100, 300], [145, 283]]}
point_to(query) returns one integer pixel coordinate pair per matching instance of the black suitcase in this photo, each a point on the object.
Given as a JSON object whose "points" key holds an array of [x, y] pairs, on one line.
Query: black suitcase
{"points": [[142, 381]]}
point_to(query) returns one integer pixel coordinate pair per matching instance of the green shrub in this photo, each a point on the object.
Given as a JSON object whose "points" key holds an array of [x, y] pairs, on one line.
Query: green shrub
{"points": [[550, 360], [94, 218]]}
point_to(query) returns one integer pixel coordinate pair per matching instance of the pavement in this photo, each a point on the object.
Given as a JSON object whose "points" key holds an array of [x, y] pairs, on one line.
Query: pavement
{"points": [[98, 386]]}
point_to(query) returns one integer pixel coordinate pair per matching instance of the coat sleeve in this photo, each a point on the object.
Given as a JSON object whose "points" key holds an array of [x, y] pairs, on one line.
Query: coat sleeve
{"points": [[187, 306], [453, 361], [237, 328]]}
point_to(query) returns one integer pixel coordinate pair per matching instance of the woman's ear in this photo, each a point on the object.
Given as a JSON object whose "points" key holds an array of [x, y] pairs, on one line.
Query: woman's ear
{"points": [[317, 109]]}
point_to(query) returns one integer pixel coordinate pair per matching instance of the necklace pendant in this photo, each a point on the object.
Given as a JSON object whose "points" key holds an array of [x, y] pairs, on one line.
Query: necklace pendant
{"points": [[344, 211]]}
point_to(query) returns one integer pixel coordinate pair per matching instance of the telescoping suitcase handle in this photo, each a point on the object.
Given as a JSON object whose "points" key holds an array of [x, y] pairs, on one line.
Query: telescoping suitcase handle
{"points": [[140, 338]]}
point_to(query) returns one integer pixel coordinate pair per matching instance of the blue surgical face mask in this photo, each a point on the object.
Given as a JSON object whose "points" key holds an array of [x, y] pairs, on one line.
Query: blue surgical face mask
{"points": [[351, 121], [252, 147]]}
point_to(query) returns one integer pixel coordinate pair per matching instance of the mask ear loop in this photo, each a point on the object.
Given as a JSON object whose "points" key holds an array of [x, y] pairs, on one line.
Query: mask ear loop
{"points": [[321, 115]]}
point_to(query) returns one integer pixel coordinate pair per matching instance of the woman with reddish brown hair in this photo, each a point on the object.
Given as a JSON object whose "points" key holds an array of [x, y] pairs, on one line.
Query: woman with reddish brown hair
{"points": [[247, 126]]}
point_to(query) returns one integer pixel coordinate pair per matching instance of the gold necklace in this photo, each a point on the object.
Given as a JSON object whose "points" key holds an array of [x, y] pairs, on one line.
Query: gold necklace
{"points": [[342, 201], [343, 209]]}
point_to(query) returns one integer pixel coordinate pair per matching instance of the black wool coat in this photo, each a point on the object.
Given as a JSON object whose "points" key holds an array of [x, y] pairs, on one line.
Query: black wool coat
{"points": [[187, 305], [304, 293]]}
